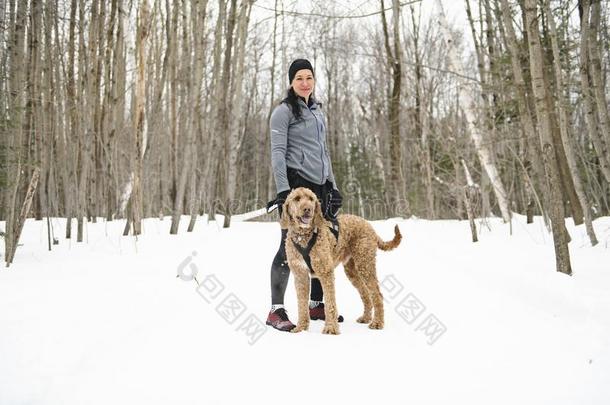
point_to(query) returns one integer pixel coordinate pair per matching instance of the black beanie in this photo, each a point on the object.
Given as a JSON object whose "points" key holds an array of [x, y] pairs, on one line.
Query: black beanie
{"points": [[297, 65]]}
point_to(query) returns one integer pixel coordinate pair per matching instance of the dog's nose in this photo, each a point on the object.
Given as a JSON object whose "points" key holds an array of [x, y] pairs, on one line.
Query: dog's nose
{"points": [[307, 210]]}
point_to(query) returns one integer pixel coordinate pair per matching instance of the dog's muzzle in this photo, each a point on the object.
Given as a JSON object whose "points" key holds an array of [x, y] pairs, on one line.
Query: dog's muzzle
{"points": [[305, 219]]}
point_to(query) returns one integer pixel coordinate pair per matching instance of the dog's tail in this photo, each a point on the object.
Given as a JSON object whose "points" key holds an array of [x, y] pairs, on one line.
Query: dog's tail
{"points": [[391, 244]]}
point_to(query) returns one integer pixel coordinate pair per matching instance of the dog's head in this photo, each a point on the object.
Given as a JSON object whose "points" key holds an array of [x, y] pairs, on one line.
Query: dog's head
{"points": [[301, 210]]}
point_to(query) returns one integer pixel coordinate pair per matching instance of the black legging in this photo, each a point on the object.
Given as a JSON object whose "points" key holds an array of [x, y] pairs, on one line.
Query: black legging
{"points": [[279, 267]]}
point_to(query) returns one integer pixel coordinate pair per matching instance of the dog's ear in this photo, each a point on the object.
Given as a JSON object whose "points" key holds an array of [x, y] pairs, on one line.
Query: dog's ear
{"points": [[285, 217], [318, 219]]}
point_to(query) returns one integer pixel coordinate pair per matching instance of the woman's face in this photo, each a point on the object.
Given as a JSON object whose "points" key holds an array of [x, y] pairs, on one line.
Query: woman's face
{"points": [[303, 83]]}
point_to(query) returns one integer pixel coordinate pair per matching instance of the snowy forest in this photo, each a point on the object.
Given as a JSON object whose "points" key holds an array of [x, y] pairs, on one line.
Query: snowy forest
{"points": [[151, 108], [142, 264]]}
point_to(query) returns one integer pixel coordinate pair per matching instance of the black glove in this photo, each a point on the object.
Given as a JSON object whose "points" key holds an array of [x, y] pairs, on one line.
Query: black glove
{"points": [[335, 201], [279, 200]]}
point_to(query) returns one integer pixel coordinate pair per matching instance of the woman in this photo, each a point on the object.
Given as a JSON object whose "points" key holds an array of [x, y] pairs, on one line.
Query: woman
{"points": [[300, 158]]}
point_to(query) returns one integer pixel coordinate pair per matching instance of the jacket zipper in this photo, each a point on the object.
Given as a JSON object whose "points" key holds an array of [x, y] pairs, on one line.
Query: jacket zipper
{"points": [[319, 143]]}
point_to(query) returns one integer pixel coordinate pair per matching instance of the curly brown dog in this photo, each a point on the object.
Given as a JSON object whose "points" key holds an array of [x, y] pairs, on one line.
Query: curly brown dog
{"points": [[356, 249]]}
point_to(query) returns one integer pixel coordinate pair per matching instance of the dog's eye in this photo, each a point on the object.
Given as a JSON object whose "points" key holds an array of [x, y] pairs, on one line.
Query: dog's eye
{"points": [[297, 198], [311, 199]]}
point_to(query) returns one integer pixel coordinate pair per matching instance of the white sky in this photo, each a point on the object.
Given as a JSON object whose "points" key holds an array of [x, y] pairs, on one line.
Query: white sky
{"points": [[455, 9]]}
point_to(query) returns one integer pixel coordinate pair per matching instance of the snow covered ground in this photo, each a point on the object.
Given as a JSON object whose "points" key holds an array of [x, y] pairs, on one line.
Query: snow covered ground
{"points": [[109, 322]]}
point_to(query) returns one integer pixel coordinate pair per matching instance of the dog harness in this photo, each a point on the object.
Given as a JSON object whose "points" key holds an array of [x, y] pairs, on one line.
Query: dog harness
{"points": [[305, 251]]}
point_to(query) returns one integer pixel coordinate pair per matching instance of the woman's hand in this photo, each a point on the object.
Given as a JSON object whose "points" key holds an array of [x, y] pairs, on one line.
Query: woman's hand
{"points": [[279, 201]]}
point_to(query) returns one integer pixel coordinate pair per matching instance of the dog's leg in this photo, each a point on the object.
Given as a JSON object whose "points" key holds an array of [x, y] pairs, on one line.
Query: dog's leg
{"points": [[378, 317], [366, 268], [352, 275], [373, 286], [301, 281], [331, 326]]}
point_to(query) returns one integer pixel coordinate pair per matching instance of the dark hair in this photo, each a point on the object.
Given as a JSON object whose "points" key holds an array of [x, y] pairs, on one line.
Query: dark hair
{"points": [[293, 102]]}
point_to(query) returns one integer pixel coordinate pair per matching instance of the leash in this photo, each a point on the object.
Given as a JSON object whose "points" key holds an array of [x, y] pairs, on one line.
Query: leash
{"points": [[252, 214]]}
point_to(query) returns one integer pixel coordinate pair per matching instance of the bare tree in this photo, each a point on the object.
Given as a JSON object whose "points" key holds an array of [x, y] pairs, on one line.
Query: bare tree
{"points": [[422, 119], [139, 116], [394, 55], [236, 121], [588, 94], [20, 220], [595, 71], [212, 157], [15, 143], [564, 125], [560, 238]]}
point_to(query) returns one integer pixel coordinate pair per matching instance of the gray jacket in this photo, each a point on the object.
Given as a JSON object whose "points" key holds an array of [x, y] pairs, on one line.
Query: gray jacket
{"points": [[300, 145]]}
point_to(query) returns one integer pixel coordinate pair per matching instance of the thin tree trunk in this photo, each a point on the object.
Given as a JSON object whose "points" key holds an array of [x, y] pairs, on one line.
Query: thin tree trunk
{"points": [[394, 55], [588, 97], [15, 102], [95, 196], [189, 162], [86, 115], [181, 165], [562, 105], [20, 220], [421, 121], [50, 112], [108, 116], [597, 82], [235, 121], [172, 39], [192, 197], [265, 161], [223, 112], [471, 193], [562, 254], [199, 25], [34, 107], [212, 159], [139, 115], [69, 173]]}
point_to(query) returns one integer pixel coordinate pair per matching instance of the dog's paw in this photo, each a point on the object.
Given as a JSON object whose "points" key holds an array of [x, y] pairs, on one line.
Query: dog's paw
{"points": [[331, 329], [299, 328], [364, 319], [376, 325]]}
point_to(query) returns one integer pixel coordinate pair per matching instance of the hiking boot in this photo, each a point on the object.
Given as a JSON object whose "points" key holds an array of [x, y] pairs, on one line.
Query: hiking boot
{"points": [[317, 313], [279, 320]]}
